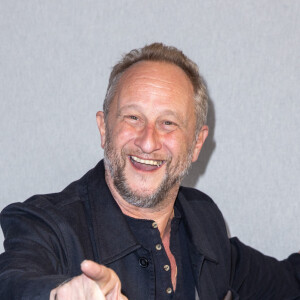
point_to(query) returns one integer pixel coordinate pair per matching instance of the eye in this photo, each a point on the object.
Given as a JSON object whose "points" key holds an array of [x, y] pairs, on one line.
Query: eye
{"points": [[133, 120], [168, 123], [131, 117]]}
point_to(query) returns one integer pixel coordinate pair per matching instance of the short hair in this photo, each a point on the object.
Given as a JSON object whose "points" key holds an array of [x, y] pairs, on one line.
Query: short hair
{"points": [[159, 52]]}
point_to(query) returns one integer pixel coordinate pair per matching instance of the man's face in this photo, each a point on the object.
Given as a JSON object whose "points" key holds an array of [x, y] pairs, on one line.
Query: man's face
{"points": [[149, 138]]}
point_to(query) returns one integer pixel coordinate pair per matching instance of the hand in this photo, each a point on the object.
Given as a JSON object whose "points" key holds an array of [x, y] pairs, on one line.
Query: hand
{"points": [[228, 296], [96, 282]]}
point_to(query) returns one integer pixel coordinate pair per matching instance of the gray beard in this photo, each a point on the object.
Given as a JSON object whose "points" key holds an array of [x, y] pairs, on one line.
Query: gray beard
{"points": [[115, 165]]}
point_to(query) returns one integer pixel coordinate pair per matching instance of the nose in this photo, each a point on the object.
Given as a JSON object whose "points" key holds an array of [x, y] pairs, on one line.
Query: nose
{"points": [[148, 139]]}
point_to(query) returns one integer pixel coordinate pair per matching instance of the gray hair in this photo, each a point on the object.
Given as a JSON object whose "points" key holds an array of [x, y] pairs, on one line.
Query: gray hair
{"points": [[161, 53]]}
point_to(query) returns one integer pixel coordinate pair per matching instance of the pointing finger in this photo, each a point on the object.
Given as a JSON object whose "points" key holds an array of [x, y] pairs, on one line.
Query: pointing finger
{"points": [[105, 277]]}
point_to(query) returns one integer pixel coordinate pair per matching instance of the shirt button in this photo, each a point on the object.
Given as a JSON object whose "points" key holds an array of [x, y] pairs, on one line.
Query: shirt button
{"points": [[154, 225], [158, 246], [143, 261], [168, 290], [166, 267]]}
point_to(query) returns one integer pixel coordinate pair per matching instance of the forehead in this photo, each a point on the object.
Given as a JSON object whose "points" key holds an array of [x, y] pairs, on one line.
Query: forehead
{"points": [[149, 80]]}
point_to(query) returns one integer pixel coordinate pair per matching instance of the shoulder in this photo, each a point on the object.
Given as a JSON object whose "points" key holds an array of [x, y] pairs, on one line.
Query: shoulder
{"points": [[196, 205], [200, 206], [70, 195], [197, 199], [58, 219], [193, 194], [55, 205]]}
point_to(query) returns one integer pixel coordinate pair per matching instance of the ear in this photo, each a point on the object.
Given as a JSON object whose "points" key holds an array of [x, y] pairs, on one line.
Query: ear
{"points": [[101, 126], [200, 141]]}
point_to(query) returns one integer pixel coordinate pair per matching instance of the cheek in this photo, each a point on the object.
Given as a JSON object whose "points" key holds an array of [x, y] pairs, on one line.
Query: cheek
{"points": [[177, 145], [122, 135]]}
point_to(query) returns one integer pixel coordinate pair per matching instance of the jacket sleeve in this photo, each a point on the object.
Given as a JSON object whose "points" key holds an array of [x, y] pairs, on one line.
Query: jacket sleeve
{"points": [[256, 276], [33, 260]]}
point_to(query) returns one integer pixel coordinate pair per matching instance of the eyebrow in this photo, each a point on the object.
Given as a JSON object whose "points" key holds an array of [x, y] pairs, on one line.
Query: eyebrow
{"points": [[164, 112]]}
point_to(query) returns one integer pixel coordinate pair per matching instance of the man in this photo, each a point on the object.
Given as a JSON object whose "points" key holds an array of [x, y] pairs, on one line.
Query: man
{"points": [[127, 229]]}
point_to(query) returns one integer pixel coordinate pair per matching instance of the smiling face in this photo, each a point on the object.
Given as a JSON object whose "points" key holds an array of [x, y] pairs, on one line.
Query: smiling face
{"points": [[149, 136]]}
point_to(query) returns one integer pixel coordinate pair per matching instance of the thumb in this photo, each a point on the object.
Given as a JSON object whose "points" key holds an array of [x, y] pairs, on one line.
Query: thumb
{"points": [[94, 271], [106, 278]]}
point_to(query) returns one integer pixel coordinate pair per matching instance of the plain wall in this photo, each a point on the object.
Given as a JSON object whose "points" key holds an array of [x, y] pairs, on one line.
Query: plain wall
{"points": [[55, 59]]}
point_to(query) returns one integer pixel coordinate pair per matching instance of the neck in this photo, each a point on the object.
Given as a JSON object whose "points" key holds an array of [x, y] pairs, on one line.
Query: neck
{"points": [[161, 214]]}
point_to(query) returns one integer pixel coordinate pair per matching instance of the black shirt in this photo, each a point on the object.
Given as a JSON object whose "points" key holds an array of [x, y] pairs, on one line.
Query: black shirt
{"points": [[148, 235]]}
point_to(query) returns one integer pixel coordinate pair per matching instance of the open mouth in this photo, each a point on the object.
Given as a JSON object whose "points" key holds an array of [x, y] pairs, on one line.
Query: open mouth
{"points": [[146, 164]]}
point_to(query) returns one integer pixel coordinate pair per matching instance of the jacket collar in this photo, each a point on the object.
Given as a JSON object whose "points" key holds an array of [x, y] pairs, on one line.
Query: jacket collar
{"points": [[196, 227], [113, 236]]}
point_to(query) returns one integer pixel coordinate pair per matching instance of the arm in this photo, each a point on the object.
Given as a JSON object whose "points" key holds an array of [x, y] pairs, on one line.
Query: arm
{"points": [[97, 282], [256, 276], [34, 259]]}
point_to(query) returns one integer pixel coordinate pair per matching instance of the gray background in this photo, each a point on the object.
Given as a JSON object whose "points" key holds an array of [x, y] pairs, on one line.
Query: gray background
{"points": [[55, 59]]}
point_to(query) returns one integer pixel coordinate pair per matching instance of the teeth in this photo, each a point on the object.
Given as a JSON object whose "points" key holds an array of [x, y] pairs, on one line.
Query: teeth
{"points": [[147, 162]]}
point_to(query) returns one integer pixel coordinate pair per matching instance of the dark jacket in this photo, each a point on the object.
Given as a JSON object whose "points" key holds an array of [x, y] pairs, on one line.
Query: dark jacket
{"points": [[48, 236]]}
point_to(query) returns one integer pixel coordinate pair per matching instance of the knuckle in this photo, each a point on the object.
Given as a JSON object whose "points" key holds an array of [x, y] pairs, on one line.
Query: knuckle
{"points": [[114, 276], [65, 288]]}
